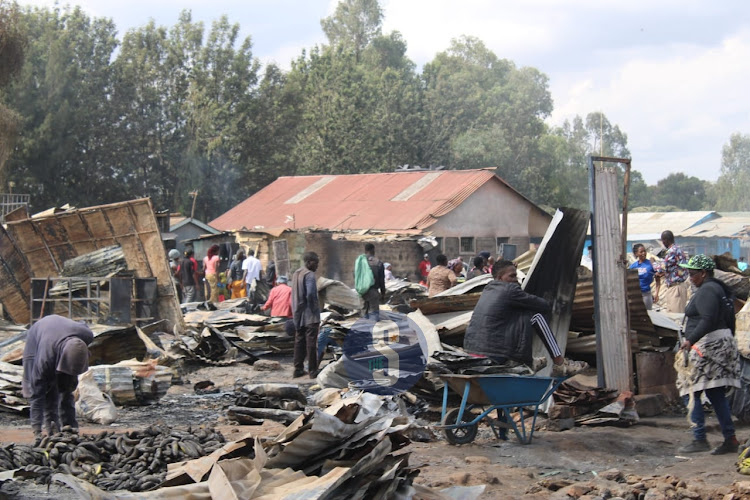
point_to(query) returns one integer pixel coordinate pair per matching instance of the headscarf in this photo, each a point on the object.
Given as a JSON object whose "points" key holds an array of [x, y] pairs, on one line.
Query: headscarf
{"points": [[452, 263], [74, 358], [282, 279]]}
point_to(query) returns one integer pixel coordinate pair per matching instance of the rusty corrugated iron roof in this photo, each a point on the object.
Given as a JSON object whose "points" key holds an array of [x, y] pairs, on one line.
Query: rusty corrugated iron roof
{"points": [[398, 201]]}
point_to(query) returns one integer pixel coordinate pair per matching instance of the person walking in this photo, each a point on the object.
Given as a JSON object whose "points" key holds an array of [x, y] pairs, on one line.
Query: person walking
{"points": [[56, 352], [306, 313], [372, 296], [713, 359]]}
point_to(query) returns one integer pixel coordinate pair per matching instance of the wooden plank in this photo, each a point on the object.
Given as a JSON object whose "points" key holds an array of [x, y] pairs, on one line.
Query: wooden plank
{"points": [[614, 359], [436, 305]]}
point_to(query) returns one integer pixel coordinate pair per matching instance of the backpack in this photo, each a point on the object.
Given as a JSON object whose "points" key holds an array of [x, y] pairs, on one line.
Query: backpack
{"points": [[363, 277], [726, 306]]}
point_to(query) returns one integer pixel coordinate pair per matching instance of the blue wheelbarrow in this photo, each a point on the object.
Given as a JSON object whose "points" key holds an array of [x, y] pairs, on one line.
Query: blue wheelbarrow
{"points": [[501, 393]]}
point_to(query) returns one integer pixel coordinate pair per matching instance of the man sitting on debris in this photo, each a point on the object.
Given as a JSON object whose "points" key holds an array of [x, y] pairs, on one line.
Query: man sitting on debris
{"points": [[56, 352], [501, 326], [306, 312], [280, 303]]}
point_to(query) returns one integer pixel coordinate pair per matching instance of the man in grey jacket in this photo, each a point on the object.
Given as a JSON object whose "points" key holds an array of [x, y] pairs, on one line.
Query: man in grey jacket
{"points": [[56, 352], [306, 313], [504, 320]]}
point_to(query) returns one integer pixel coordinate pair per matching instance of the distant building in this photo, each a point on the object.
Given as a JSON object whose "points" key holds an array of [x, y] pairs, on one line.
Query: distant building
{"points": [[185, 228], [696, 232], [465, 211]]}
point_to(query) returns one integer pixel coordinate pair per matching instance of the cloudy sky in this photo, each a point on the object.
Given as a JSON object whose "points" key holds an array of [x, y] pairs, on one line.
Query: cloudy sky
{"points": [[672, 74]]}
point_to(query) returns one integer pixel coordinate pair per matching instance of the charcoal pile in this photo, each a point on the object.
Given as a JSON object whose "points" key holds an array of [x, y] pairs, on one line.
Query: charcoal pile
{"points": [[135, 461]]}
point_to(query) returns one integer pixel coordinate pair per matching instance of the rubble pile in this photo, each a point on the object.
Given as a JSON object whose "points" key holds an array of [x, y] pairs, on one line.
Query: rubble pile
{"points": [[256, 402], [135, 461], [614, 484], [349, 447]]}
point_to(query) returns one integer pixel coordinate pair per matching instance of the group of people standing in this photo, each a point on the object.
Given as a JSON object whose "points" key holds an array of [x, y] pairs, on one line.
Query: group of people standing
{"points": [[447, 273], [240, 280], [669, 274]]}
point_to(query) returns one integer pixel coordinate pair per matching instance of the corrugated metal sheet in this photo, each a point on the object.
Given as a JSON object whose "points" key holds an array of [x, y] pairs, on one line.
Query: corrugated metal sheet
{"points": [[725, 227], [381, 201], [653, 223]]}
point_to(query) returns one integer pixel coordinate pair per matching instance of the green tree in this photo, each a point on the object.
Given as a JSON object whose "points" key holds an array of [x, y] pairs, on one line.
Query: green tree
{"points": [[13, 43], [734, 180], [481, 111], [679, 190], [62, 95], [354, 25], [592, 136], [220, 101], [359, 108]]}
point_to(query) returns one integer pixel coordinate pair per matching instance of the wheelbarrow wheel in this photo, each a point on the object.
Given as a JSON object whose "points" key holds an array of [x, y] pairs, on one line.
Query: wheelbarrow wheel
{"points": [[460, 435]]}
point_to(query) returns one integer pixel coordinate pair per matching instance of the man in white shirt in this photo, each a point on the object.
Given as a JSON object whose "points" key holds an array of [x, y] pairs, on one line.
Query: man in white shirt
{"points": [[251, 271]]}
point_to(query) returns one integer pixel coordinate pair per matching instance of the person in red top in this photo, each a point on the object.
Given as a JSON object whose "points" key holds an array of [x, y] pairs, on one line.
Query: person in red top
{"points": [[424, 267], [280, 303]]}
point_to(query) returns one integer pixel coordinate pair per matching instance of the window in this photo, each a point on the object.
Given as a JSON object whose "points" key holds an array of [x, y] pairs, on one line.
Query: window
{"points": [[467, 244], [507, 251], [500, 242]]}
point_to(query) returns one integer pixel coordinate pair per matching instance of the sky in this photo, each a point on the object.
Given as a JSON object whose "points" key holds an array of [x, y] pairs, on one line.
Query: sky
{"points": [[672, 74]]}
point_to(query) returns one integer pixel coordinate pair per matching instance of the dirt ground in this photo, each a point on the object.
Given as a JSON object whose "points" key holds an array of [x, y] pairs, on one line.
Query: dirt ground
{"points": [[507, 468]]}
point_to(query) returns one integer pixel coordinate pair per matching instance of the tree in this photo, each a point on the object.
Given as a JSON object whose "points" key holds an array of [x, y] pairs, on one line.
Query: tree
{"points": [[359, 100], [62, 95], [482, 111], [13, 44], [679, 190], [734, 181], [220, 101], [354, 25], [583, 138]]}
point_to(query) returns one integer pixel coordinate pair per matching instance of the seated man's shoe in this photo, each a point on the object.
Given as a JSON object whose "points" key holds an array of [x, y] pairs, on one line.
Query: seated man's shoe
{"points": [[298, 373], [694, 446], [728, 446]]}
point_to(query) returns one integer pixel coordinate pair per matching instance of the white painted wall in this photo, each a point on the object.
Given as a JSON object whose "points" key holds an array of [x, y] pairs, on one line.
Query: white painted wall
{"points": [[494, 210]]}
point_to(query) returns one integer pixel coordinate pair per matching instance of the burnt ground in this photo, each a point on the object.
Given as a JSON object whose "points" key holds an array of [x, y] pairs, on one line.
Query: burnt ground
{"points": [[507, 468]]}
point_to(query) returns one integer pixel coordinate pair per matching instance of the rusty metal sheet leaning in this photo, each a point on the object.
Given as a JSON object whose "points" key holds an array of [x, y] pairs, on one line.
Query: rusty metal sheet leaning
{"points": [[553, 272]]}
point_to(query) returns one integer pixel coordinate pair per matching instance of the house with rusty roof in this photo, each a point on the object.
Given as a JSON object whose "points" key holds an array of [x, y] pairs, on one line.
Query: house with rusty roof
{"points": [[466, 211]]}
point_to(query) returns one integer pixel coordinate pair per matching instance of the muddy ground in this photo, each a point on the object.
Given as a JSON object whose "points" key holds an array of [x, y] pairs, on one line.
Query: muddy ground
{"points": [[507, 468]]}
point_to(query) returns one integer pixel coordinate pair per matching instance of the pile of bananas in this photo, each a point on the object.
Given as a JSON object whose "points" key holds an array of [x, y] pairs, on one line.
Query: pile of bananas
{"points": [[135, 461]]}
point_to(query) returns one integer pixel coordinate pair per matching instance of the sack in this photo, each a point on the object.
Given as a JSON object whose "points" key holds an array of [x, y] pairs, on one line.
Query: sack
{"points": [[93, 404], [363, 277]]}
